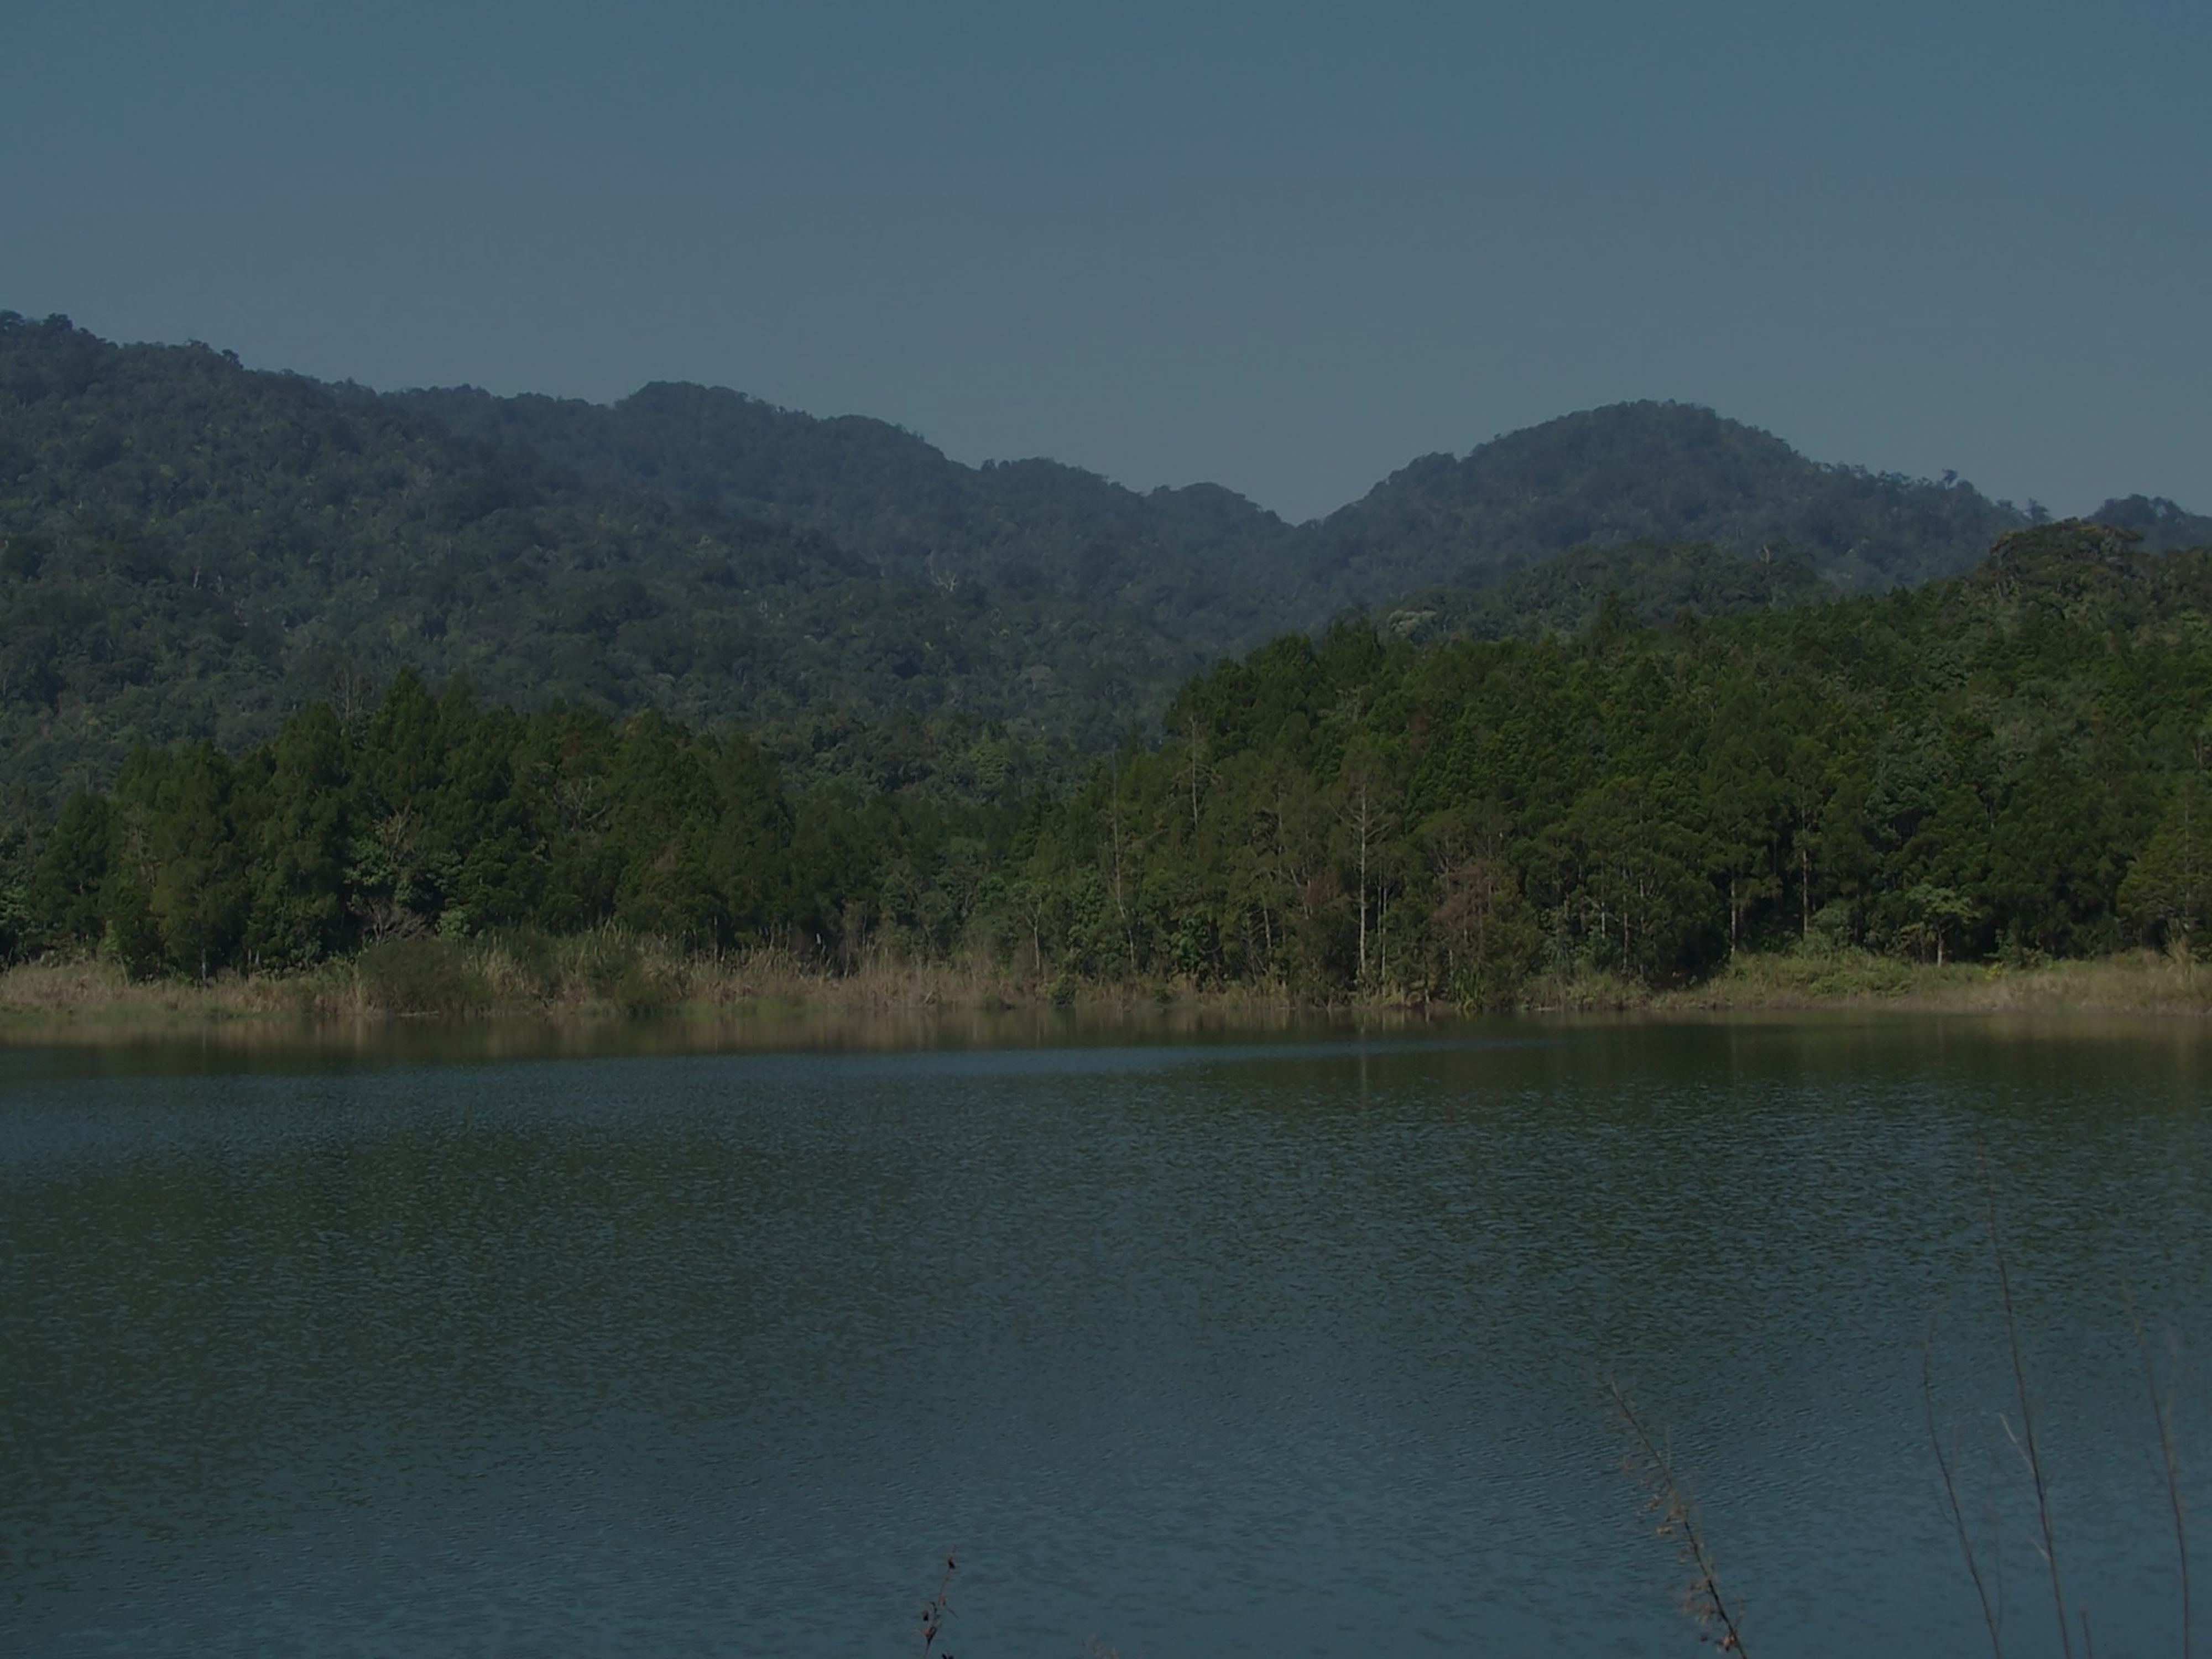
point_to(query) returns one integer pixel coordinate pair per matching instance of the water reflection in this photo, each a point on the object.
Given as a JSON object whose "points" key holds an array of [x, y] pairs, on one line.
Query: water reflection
{"points": [[1203, 1340], [281, 1043]]}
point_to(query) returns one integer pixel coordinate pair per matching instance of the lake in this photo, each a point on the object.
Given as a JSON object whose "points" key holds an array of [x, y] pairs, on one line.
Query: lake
{"points": [[1188, 1343]]}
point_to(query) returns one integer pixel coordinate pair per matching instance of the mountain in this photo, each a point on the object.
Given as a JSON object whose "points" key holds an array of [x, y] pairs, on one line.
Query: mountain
{"points": [[1185, 555], [189, 548], [1644, 471], [1235, 573], [2162, 526]]}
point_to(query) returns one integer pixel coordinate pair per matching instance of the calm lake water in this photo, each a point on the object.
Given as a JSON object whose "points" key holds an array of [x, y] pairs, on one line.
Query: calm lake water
{"points": [[1277, 1344]]}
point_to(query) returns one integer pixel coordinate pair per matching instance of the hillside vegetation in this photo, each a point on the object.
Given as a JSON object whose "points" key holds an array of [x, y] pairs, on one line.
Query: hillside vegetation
{"points": [[2009, 765], [1648, 472], [1203, 562], [1646, 581], [190, 549], [2160, 526], [1645, 472]]}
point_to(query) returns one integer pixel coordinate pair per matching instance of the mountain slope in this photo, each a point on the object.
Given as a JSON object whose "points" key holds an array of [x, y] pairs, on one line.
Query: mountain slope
{"points": [[1206, 558], [1645, 472], [1035, 526], [1649, 581], [2162, 526], [188, 549]]}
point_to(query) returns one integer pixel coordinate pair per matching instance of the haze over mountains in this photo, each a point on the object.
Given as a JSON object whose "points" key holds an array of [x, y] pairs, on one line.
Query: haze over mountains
{"points": [[1632, 471], [189, 548]]}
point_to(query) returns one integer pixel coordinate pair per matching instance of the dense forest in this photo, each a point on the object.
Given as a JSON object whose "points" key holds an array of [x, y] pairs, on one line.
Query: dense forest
{"points": [[1644, 472], [1651, 581], [1203, 563], [190, 550], [2010, 763]]}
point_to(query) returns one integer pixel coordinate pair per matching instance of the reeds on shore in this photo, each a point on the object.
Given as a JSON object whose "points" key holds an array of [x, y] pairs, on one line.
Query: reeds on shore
{"points": [[610, 972]]}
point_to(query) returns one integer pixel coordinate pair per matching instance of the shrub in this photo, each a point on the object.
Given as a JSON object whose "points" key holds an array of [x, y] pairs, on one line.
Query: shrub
{"points": [[420, 975], [643, 987], [521, 965], [133, 939]]}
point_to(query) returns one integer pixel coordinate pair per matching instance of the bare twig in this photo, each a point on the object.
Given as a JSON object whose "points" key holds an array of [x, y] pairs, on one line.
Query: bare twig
{"points": [[1951, 1493], [2025, 1440], [2170, 1465], [934, 1611], [1652, 1465]]}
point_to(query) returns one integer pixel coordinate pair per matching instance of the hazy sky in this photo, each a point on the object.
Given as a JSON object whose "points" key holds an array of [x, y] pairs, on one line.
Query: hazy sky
{"points": [[1283, 247]]}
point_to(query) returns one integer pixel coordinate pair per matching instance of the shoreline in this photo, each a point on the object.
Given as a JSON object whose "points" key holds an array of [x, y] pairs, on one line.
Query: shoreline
{"points": [[82, 998]]}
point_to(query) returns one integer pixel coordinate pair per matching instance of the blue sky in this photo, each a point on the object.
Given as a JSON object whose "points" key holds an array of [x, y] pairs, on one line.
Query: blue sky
{"points": [[1283, 247]]}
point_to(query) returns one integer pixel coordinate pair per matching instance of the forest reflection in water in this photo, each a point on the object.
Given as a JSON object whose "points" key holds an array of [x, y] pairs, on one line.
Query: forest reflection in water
{"points": [[1200, 1339]]}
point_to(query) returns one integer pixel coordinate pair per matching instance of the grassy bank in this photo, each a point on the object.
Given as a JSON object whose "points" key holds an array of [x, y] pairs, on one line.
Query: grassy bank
{"points": [[2138, 981], [608, 976], [603, 976]]}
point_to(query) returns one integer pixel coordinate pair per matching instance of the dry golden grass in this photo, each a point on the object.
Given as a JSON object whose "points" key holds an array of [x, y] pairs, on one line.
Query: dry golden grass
{"points": [[609, 973], [2138, 981], [83, 990], [1584, 991], [605, 974]]}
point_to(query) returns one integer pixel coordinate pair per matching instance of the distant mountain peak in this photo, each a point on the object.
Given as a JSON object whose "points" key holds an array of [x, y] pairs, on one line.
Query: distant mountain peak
{"points": [[1647, 470], [2162, 525]]}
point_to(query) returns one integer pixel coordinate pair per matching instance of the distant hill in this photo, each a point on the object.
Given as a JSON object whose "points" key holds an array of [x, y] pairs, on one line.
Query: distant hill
{"points": [[1237, 574], [2162, 526], [189, 548], [1645, 472], [1188, 555]]}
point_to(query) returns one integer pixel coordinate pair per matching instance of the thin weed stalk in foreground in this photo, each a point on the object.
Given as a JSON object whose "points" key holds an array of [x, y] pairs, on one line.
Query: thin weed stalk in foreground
{"points": [[2170, 1465], [2024, 1442], [1652, 1465], [934, 1613], [1951, 1494]]}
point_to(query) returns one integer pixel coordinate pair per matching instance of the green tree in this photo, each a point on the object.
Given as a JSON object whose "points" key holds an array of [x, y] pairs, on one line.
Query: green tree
{"points": [[1485, 932], [2168, 893], [297, 913], [1366, 802], [199, 896], [67, 898]]}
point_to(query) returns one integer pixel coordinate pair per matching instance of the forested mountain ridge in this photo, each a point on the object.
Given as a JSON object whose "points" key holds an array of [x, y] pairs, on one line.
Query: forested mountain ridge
{"points": [[1645, 472], [191, 549], [2161, 526], [1627, 473], [1203, 560]]}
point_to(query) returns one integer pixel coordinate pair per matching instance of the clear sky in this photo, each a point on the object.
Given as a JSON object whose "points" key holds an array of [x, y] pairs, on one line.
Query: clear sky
{"points": [[1285, 247]]}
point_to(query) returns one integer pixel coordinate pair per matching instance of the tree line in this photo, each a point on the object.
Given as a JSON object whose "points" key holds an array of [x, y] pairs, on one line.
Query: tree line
{"points": [[2011, 764]]}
